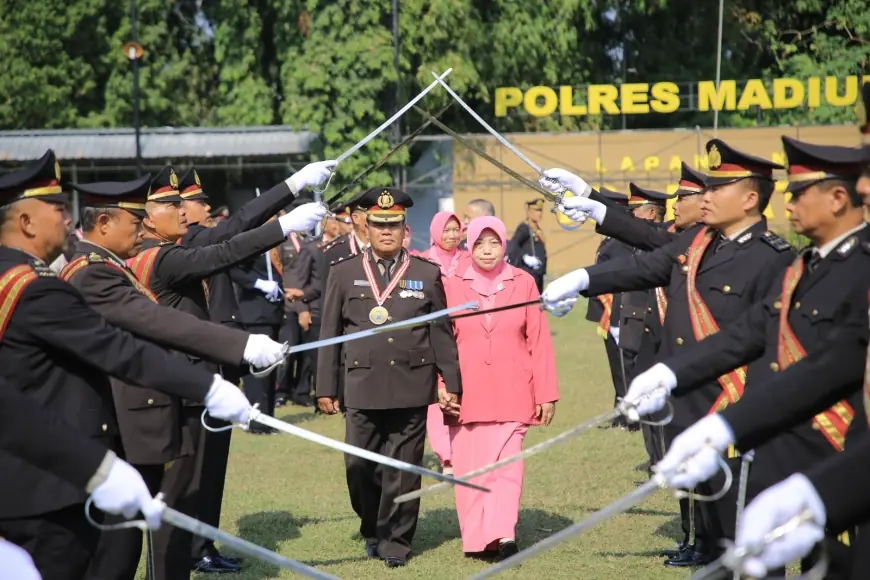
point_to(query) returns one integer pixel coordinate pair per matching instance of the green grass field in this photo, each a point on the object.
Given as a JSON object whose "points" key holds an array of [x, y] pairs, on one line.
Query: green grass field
{"points": [[290, 496]]}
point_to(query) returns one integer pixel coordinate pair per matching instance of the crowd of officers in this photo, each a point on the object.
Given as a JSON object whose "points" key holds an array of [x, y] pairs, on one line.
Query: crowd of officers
{"points": [[760, 346]]}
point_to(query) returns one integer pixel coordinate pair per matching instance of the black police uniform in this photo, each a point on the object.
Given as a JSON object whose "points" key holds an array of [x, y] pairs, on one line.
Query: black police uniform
{"points": [[526, 241]]}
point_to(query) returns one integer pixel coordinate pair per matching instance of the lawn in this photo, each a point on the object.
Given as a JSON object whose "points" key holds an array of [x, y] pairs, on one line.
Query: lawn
{"points": [[290, 496]]}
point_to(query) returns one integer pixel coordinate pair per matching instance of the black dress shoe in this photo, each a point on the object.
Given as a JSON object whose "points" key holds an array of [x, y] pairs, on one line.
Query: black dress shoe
{"points": [[308, 403], [372, 548], [260, 430], [210, 565], [395, 562], [507, 549], [234, 560], [280, 401], [228, 561], [690, 559], [678, 551]]}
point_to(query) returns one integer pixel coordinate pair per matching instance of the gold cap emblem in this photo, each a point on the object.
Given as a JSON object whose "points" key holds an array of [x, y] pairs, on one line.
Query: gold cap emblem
{"points": [[714, 157], [173, 179], [196, 177], [56, 170], [385, 200]]}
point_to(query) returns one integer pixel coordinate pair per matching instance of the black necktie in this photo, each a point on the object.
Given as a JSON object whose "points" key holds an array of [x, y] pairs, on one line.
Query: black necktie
{"points": [[812, 259], [387, 266]]}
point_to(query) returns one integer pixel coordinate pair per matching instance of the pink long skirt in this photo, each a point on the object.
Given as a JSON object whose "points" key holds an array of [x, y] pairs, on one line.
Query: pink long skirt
{"points": [[438, 434], [485, 518]]}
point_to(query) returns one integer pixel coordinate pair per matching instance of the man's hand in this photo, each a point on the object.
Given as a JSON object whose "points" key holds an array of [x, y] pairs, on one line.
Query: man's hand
{"points": [[648, 392], [544, 413], [293, 294], [328, 405], [579, 208], [269, 288], [694, 454], [532, 262], [261, 351], [560, 295], [226, 401], [449, 403], [303, 218], [124, 492], [305, 320], [311, 175], [557, 180]]}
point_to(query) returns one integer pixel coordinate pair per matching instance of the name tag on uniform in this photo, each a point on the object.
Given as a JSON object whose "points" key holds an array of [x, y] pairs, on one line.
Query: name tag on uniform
{"points": [[361, 283], [411, 284]]}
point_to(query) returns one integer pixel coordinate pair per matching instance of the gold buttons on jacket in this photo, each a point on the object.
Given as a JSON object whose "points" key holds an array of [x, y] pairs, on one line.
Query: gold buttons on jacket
{"points": [[774, 367], [797, 304], [815, 312], [726, 288], [649, 309], [816, 426], [422, 360], [777, 304], [392, 363], [356, 363], [105, 427], [390, 340], [679, 341], [685, 268], [646, 328], [150, 401]]}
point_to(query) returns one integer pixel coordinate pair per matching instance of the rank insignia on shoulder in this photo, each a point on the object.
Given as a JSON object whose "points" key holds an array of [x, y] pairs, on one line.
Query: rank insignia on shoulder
{"points": [[744, 238], [94, 258], [411, 284], [42, 270], [847, 246], [425, 259], [775, 241]]}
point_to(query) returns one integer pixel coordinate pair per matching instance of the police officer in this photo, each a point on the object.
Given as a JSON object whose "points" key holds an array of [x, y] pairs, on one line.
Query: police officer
{"points": [[389, 381], [526, 249], [149, 421], [807, 302], [714, 272], [60, 352]]}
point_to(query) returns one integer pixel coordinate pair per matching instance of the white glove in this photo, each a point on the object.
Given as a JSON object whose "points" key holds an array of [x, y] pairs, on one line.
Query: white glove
{"points": [[614, 332], [560, 295], [124, 492], [694, 454], [16, 563], [775, 507], [303, 218], [270, 288], [261, 351], [312, 174], [558, 180], [649, 392], [532, 261], [226, 401], [579, 208]]}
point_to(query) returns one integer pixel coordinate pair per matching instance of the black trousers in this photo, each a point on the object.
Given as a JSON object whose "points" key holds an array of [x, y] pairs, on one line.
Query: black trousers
{"points": [[261, 390], [288, 375], [397, 433], [61, 543], [307, 363], [118, 552], [208, 482], [701, 515], [617, 363]]}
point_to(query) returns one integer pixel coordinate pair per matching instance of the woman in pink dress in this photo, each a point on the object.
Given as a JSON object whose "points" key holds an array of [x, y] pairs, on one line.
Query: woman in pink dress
{"points": [[508, 383], [445, 232]]}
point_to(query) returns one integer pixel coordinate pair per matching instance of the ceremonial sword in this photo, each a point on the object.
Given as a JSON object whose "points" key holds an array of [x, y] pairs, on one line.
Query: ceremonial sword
{"points": [[734, 558], [285, 427], [198, 528], [387, 157], [658, 481], [534, 450]]}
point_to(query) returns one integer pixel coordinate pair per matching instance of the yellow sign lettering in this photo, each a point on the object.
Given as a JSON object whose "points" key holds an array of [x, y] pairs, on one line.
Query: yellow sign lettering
{"points": [[833, 96], [507, 98], [675, 164], [787, 93], [711, 99], [566, 102], [754, 95], [814, 93], [633, 98], [547, 108], [651, 163], [627, 164], [599, 166], [603, 95], [665, 97]]}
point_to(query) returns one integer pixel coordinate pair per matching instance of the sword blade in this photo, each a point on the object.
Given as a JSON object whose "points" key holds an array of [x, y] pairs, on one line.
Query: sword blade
{"points": [[391, 120], [616, 508], [486, 126], [534, 450], [358, 451], [481, 153], [387, 157], [198, 528]]}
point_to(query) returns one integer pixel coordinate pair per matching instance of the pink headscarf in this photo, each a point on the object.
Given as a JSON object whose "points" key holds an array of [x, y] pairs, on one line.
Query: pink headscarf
{"points": [[436, 230], [486, 282]]}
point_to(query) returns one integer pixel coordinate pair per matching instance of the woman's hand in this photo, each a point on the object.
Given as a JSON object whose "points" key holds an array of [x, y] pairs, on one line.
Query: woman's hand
{"points": [[544, 413], [449, 403]]}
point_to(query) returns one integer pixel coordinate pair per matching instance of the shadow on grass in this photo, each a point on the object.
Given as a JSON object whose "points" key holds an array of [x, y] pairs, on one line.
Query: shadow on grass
{"points": [[440, 526], [296, 418]]}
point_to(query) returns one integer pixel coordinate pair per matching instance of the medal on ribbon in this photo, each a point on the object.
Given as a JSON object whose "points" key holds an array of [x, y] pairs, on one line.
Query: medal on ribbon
{"points": [[379, 315]]}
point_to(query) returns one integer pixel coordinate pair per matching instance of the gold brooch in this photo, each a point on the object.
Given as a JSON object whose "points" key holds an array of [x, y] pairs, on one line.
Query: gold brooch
{"points": [[173, 179], [385, 200], [56, 170], [196, 177]]}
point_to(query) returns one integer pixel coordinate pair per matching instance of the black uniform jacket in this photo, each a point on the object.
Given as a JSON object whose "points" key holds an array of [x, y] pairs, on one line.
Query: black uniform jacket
{"points": [[819, 304], [32, 434], [147, 419], [729, 281], [60, 352], [609, 249], [525, 242], [338, 250], [255, 307], [842, 483], [306, 274], [393, 370]]}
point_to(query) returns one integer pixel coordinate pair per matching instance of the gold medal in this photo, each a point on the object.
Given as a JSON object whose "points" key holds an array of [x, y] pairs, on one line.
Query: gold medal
{"points": [[378, 315]]}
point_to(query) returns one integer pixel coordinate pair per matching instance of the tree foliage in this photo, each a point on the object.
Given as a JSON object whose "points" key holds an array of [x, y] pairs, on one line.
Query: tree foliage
{"points": [[328, 65]]}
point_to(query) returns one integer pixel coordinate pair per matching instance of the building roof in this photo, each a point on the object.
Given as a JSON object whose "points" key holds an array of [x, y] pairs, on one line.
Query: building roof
{"points": [[162, 143]]}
